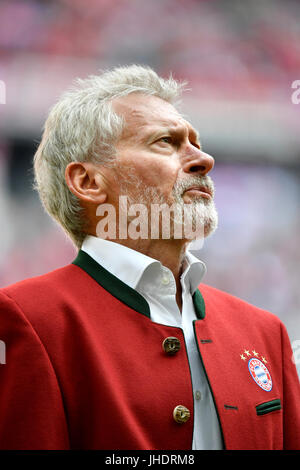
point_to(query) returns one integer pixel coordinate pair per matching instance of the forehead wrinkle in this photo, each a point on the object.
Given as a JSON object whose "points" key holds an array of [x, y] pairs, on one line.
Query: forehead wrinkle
{"points": [[145, 131], [180, 124], [182, 127], [139, 120]]}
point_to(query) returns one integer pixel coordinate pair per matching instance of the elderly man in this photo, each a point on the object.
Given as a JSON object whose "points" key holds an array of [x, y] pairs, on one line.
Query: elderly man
{"points": [[126, 348]]}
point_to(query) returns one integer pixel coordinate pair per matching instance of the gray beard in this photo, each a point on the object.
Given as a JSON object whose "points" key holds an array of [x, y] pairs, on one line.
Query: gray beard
{"points": [[200, 215]]}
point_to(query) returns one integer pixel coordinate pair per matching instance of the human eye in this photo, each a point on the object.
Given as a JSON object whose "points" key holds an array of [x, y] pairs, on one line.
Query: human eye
{"points": [[165, 139]]}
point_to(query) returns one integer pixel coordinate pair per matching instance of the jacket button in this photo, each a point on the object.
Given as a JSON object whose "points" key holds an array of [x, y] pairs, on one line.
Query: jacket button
{"points": [[181, 414], [171, 345]]}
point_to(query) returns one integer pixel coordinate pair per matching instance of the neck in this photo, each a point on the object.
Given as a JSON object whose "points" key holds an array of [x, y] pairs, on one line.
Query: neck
{"points": [[169, 252]]}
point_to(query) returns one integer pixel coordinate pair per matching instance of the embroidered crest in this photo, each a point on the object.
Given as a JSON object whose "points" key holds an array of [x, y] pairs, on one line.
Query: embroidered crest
{"points": [[258, 370], [260, 374]]}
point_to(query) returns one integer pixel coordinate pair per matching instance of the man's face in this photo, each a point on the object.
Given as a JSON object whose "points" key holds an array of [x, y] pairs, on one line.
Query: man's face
{"points": [[159, 159]]}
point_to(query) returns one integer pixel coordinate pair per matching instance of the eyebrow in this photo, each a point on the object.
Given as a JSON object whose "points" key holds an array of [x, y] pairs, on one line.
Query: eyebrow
{"points": [[152, 135]]}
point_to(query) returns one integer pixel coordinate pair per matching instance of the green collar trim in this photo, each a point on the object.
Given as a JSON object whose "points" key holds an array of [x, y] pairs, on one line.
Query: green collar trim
{"points": [[112, 284], [199, 305], [122, 291]]}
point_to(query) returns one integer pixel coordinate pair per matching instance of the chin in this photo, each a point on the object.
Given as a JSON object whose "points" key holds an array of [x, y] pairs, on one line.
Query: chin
{"points": [[196, 242], [211, 226], [200, 221]]}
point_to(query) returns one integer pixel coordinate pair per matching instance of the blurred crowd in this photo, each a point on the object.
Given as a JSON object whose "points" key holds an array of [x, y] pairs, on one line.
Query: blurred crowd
{"points": [[235, 43], [227, 50]]}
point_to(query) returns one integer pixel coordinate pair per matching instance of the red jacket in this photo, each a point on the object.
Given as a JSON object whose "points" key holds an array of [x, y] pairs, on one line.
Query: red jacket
{"points": [[85, 368]]}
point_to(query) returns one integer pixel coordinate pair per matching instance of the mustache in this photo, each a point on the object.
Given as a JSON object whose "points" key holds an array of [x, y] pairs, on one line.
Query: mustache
{"points": [[199, 181]]}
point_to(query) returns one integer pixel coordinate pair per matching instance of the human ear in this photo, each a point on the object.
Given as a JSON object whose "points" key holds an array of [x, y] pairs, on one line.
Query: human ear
{"points": [[85, 181]]}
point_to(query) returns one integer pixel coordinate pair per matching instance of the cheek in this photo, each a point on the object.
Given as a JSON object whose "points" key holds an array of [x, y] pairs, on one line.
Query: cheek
{"points": [[159, 175]]}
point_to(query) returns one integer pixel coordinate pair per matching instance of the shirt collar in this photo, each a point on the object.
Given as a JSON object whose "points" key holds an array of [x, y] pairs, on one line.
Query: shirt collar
{"points": [[193, 271], [130, 265], [126, 264]]}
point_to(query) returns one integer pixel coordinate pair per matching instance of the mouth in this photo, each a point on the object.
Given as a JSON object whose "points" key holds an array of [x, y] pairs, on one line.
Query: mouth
{"points": [[199, 191]]}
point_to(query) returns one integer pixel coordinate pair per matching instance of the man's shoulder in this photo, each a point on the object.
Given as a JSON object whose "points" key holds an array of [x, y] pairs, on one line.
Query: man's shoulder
{"points": [[38, 283], [38, 292], [231, 307]]}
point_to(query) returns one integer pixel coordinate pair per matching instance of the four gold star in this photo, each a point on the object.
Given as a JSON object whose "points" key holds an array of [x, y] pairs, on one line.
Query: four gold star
{"points": [[247, 353]]}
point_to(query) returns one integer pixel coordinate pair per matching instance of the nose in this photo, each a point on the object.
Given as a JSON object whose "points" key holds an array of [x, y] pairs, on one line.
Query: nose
{"points": [[196, 161]]}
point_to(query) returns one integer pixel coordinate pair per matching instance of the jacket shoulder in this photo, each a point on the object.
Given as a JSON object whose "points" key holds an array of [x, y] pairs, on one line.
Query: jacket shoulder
{"points": [[40, 295], [38, 283], [232, 308]]}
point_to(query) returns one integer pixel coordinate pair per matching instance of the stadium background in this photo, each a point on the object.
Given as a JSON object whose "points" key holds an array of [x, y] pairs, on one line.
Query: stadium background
{"points": [[240, 59]]}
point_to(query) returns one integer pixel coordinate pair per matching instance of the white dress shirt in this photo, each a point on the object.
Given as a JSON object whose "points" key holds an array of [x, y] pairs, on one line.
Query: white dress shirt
{"points": [[157, 285]]}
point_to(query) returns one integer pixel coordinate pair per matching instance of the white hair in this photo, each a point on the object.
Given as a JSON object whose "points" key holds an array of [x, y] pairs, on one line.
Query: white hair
{"points": [[82, 126]]}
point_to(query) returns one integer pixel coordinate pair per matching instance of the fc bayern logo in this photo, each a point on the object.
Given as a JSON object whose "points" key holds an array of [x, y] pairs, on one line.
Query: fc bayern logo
{"points": [[260, 374]]}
